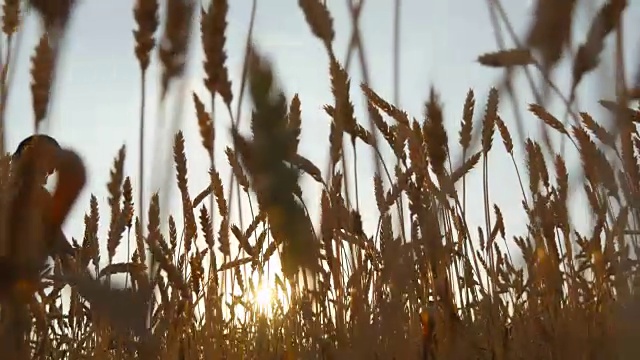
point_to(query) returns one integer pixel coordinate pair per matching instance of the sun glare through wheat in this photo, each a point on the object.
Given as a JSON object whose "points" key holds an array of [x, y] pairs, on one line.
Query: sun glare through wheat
{"points": [[264, 297]]}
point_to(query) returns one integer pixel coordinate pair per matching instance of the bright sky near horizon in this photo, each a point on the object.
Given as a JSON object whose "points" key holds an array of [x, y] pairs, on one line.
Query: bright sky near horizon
{"points": [[96, 106]]}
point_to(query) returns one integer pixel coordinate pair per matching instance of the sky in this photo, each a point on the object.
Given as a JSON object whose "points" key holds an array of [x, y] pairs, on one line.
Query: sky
{"points": [[97, 99]]}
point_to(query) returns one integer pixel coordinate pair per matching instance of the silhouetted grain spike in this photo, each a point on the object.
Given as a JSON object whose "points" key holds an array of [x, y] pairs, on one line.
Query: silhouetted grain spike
{"points": [[435, 134], [175, 40], [55, 14], [206, 125], [317, 16], [266, 158], [117, 222], [146, 15], [588, 56], [505, 135], [213, 27], [507, 58], [391, 110], [295, 122], [622, 113], [548, 119], [11, 16], [466, 125], [489, 121], [600, 132], [465, 168], [551, 30], [42, 74]]}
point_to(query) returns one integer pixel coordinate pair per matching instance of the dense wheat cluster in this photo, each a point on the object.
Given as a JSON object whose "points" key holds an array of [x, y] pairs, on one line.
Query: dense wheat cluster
{"points": [[423, 284]]}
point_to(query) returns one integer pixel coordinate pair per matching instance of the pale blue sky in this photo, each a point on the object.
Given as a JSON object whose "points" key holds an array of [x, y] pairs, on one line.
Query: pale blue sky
{"points": [[96, 107]]}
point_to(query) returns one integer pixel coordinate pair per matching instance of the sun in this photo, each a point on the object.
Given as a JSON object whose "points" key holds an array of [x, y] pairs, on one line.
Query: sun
{"points": [[268, 295], [264, 297]]}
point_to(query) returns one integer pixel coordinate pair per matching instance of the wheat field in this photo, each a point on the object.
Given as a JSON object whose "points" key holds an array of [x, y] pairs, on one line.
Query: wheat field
{"points": [[423, 283]]}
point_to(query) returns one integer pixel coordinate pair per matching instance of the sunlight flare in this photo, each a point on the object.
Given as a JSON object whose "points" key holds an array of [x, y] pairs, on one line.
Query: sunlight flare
{"points": [[264, 297]]}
